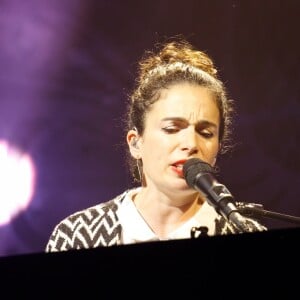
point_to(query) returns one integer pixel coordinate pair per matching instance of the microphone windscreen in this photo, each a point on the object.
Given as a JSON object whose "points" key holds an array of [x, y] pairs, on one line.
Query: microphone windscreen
{"points": [[193, 167]]}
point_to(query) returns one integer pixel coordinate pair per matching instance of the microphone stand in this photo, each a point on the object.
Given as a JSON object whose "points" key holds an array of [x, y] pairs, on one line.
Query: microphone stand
{"points": [[257, 210], [241, 219]]}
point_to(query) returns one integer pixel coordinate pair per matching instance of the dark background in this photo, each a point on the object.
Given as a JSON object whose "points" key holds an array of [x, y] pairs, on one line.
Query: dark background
{"points": [[67, 66]]}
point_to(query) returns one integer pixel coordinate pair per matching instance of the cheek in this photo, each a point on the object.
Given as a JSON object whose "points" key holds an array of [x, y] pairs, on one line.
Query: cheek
{"points": [[215, 153], [210, 149], [215, 148], [157, 147]]}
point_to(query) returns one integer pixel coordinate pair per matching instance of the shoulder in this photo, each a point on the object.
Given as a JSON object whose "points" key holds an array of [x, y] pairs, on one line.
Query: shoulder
{"points": [[88, 227], [222, 226], [92, 212], [99, 209]]}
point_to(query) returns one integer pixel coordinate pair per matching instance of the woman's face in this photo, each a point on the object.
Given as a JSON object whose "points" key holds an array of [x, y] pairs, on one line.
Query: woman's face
{"points": [[182, 124]]}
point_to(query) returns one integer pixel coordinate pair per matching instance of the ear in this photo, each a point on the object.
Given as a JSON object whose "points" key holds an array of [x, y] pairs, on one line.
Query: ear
{"points": [[133, 143]]}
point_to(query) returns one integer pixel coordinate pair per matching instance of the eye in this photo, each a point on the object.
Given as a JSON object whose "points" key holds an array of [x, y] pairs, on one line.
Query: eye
{"points": [[206, 134], [171, 129], [207, 130]]}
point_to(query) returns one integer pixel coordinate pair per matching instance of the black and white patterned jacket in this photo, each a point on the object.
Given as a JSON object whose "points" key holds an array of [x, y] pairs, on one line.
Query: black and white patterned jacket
{"points": [[99, 226]]}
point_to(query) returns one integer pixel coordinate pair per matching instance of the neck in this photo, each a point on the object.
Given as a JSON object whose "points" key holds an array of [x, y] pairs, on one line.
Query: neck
{"points": [[164, 214]]}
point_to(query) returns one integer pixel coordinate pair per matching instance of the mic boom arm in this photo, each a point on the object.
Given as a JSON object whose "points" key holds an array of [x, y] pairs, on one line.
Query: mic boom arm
{"points": [[257, 210]]}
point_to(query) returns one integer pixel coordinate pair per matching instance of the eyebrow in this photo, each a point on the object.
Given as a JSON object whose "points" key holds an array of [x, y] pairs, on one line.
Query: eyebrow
{"points": [[204, 123]]}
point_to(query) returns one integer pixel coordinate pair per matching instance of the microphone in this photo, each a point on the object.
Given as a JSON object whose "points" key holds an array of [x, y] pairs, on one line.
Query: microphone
{"points": [[199, 175]]}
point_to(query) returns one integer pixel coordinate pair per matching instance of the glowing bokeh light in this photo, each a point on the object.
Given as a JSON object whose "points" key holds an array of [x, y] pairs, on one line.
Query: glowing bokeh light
{"points": [[17, 181]]}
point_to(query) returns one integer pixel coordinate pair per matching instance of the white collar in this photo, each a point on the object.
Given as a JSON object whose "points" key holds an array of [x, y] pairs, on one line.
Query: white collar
{"points": [[135, 229]]}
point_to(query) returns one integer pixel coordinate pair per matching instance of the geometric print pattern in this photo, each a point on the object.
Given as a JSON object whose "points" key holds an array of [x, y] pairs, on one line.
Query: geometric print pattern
{"points": [[99, 226], [92, 227]]}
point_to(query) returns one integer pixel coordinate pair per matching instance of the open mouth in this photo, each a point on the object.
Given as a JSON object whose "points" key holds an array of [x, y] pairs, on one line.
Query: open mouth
{"points": [[178, 168]]}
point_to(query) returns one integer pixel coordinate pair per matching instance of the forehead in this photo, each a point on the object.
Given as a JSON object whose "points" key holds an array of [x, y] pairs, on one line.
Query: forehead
{"points": [[185, 100]]}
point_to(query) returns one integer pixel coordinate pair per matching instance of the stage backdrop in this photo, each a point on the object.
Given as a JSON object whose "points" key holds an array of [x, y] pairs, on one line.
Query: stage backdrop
{"points": [[67, 67]]}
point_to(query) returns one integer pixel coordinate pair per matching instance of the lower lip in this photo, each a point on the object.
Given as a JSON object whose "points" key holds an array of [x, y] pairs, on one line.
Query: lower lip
{"points": [[179, 172]]}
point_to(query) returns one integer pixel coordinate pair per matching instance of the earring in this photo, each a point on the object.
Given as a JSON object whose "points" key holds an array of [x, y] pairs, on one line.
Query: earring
{"points": [[139, 168], [139, 176]]}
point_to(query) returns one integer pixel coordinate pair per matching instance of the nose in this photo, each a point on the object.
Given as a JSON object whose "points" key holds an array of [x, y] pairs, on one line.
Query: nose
{"points": [[190, 140]]}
